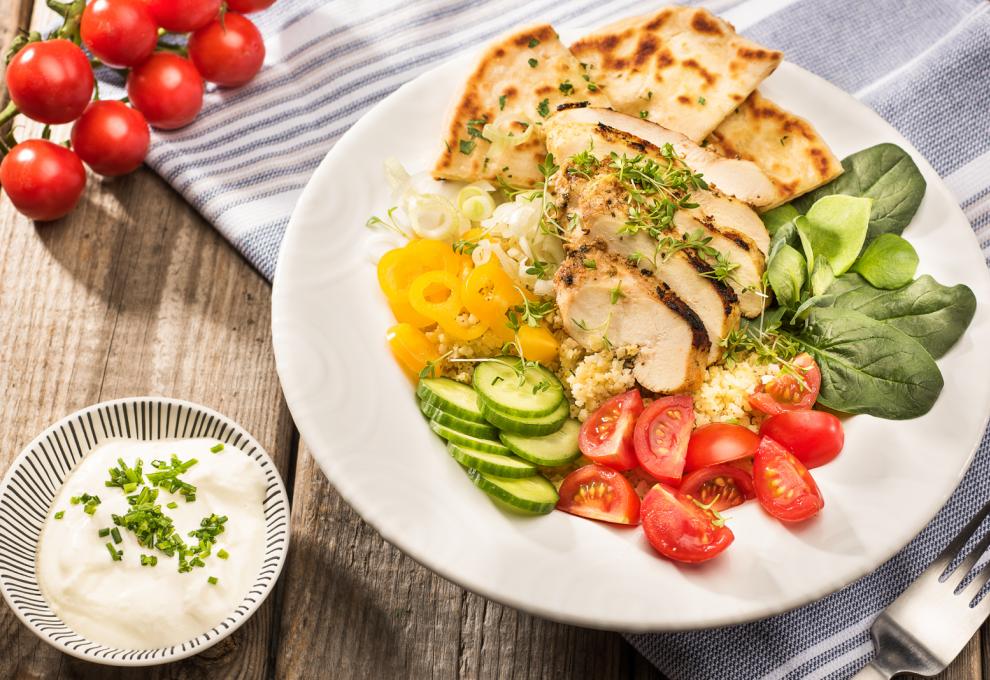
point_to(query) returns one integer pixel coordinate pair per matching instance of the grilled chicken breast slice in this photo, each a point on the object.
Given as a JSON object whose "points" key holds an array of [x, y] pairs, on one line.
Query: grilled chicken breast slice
{"points": [[573, 130], [673, 343], [601, 206], [729, 213]]}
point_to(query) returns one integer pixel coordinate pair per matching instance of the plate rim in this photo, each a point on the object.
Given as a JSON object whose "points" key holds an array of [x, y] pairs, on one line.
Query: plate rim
{"points": [[812, 595]]}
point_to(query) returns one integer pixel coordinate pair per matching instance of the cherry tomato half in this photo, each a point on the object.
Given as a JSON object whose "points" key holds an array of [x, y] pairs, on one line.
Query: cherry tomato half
{"points": [[183, 16], [719, 443], [167, 89], [111, 138], [721, 486], [681, 530], [814, 437], [119, 33], [783, 484], [661, 437], [606, 437], [228, 52], [787, 392], [50, 81], [598, 492], [248, 6], [44, 180]]}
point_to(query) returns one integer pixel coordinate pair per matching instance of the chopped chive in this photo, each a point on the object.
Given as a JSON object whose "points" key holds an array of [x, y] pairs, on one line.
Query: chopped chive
{"points": [[104, 532], [222, 554], [75, 500], [115, 534], [60, 514], [213, 580], [172, 505], [115, 555], [149, 561], [130, 487], [217, 449]]}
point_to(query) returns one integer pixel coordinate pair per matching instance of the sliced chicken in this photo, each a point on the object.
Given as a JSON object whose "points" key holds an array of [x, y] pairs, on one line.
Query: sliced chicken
{"points": [[604, 301], [729, 213], [746, 278], [601, 206], [573, 130]]}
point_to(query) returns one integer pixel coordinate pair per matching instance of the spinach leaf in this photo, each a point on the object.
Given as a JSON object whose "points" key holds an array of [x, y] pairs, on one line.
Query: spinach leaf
{"points": [[787, 274], [885, 173], [822, 276], [778, 217], [934, 315], [835, 227], [869, 366], [889, 262], [786, 234]]}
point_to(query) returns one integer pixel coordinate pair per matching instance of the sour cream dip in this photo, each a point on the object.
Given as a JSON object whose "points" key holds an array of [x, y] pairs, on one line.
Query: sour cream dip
{"points": [[122, 603]]}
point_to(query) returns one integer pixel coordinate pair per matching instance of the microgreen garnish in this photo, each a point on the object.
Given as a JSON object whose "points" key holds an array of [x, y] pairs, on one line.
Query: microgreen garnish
{"points": [[390, 223], [583, 163], [465, 247], [540, 269], [616, 293], [529, 312], [430, 369]]}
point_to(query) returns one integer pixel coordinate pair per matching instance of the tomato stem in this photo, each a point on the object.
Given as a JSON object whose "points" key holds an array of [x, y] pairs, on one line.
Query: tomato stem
{"points": [[8, 113], [72, 13]]}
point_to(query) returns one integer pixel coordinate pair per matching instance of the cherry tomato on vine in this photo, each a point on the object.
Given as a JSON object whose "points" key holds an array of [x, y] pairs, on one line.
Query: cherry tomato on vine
{"points": [[167, 89], [248, 6], [228, 52], [51, 81], [119, 33], [111, 138], [183, 16], [44, 180]]}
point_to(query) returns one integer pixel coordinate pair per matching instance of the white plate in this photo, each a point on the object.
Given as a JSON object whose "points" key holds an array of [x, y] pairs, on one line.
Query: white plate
{"points": [[357, 412], [33, 481]]}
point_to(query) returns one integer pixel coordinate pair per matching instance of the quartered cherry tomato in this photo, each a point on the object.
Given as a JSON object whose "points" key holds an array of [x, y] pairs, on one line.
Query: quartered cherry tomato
{"points": [[607, 436], [228, 51], [788, 391], [411, 347], [598, 492], [783, 484], [661, 437], [120, 33], [111, 137], [680, 529], [719, 486], [50, 81], [167, 89], [183, 16], [719, 443], [43, 180]]}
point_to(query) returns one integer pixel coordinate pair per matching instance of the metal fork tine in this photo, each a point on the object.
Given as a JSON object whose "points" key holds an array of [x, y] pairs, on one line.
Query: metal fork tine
{"points": [[958, 543], [967, 564]]}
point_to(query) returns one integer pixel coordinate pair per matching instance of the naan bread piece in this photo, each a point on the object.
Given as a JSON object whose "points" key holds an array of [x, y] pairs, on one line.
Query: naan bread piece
{"points": [[518, 83], [786, 147], [682, 67]]}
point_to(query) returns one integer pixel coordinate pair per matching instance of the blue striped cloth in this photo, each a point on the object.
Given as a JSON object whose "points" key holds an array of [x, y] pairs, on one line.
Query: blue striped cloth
{"points": [[922, 64]]}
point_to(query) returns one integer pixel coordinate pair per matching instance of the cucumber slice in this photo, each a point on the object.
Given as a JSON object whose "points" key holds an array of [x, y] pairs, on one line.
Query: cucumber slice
{"points": [[552, 450], [455, 398], [498, 383], [453, 422], [468, 442], [529, 427], [491, 463], [531, 495]]}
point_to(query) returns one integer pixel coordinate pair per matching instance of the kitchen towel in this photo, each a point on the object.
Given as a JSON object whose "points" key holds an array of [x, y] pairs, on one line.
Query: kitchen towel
{"points": [[924, 65]]}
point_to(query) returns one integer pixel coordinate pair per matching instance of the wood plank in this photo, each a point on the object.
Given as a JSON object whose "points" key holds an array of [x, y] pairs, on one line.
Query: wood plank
{"points": [[355, 604]]}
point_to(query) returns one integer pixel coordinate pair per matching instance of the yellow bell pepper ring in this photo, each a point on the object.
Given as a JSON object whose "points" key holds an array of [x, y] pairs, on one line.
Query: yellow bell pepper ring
{"points": [[488, 293], [437, 295]]}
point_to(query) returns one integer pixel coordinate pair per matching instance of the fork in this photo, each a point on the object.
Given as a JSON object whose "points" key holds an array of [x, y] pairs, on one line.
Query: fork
{"points": [[925, 628]]}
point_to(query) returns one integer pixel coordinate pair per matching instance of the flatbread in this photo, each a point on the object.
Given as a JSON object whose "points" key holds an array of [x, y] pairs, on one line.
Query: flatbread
{"points": [[681, 67], [518, 83], [786, 147]]}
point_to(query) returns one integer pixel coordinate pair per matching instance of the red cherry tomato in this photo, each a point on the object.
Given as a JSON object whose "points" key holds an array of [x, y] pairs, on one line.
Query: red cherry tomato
{"points": [[51, 81], [783, 484], [606, 437], [183, 16], [787, 392], [719, 443], [661, 437], [119, 33], [111, 138], [814, 437], [44, 180], [248, 6], [720, 486], [228, 52], [167, 89], [679, 529], [598, 492]]}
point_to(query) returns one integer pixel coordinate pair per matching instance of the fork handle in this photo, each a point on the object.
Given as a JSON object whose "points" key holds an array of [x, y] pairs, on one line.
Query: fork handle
{"points": [[872, 672]]}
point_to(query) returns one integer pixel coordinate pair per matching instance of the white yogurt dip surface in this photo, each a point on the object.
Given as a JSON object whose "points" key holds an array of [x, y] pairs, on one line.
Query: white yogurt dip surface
{"points": [[126, 605]]}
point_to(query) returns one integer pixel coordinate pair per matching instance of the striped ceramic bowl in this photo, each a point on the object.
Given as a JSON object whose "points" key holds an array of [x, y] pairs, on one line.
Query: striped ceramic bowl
{"points": [[34, 478]]}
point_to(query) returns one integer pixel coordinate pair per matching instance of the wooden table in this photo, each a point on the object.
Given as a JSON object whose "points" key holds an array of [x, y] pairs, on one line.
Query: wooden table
{"points": [[135, 294]]}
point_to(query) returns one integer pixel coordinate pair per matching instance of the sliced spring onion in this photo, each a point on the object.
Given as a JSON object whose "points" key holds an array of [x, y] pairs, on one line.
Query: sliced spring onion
{"points": [[433, 216], [478, 207], [502, 138], [396, 175]]}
